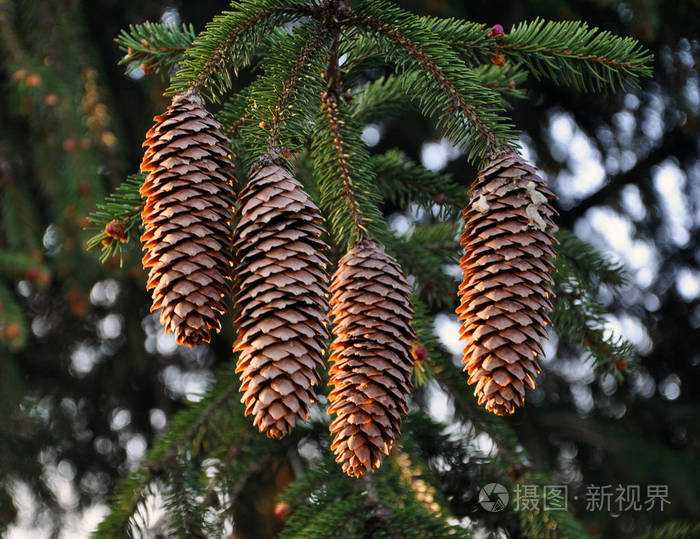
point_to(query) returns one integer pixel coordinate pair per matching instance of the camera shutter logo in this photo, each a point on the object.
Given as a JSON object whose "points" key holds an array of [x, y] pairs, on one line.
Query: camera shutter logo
{"points": [[493, 497]]}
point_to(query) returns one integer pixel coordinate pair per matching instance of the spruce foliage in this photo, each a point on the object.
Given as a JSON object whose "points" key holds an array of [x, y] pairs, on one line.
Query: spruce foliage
{"points": [[316, 87], [155, 47]]}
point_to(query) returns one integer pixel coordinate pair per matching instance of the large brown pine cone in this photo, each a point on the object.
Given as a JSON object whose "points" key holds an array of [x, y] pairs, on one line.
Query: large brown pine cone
{"points": [[371, 356], [280, 290], [505, 293], [187, 219]]}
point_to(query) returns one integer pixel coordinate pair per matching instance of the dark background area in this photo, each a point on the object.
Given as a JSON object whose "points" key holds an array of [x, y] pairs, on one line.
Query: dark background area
{"points": [[87, 379]]}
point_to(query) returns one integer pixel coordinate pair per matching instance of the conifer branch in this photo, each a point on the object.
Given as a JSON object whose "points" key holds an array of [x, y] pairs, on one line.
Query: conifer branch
{"points": [[386, 97], [154, 47], [233, 116], [18, 214], [330, 105], [341, 164], [398, 511], [448, 84], [183, 488], [541, 522], [510, 460], [288, 94], [290, 84], [233, 453], [580, 271], [434, 70], [413, 476], [581, 319], [330, 490], [587, 264], [362, 53], [569, 53], [451, 378], [381, 99], [301, 95], [117, 219], [401, 180], [603, 59], [505, 80], [324, 503], [671, 530], [186, 427], [229, 42], [424, 254]]}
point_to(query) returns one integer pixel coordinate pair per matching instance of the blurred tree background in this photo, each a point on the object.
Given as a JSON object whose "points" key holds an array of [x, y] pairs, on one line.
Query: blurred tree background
{"points": [[87, 378]]}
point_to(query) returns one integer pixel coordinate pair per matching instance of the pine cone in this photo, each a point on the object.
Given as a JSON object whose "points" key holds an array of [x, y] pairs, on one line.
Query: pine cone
{"points": [[506, 287], [371, 356], [187, 219], [280, 295]]}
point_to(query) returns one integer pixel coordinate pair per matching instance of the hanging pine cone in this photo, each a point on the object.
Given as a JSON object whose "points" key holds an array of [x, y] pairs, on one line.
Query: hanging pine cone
{"points": [[506, 287], [280, 294], [187, 219], [371, 356]]}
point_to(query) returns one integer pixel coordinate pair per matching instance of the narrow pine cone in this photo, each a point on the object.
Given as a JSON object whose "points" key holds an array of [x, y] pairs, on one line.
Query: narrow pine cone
{"points": [[187, 219], [371, 356], [505, 292], [280, 292]]}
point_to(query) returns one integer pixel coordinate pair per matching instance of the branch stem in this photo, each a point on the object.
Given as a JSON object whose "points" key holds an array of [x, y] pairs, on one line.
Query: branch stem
{"points": [[331, 107]]}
